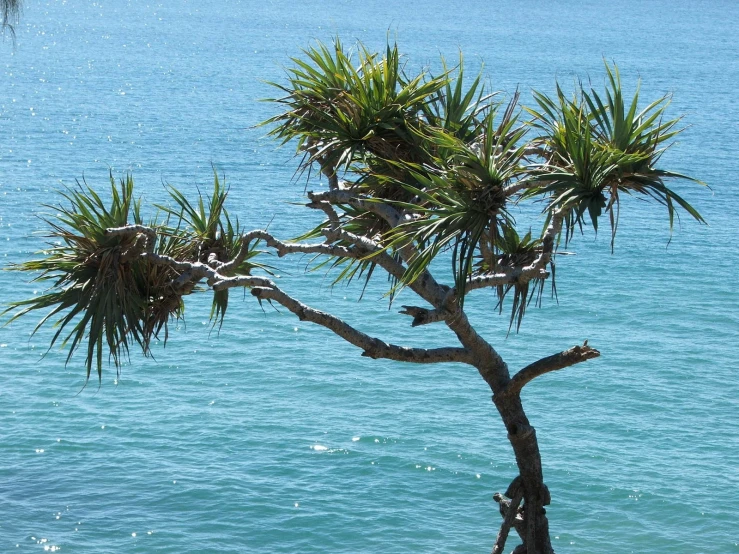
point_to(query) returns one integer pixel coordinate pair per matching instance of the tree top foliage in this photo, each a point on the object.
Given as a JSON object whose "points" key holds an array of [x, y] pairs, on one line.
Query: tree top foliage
{"points": [[419, 167], [455, 157]]}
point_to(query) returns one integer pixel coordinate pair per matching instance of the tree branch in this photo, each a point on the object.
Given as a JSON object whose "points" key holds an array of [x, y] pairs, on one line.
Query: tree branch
{"points": [[488, 362], [426, 285], [519, 186], [283, 249], [523, 274], [328, 209], [314, 149], [264, 289], [550, 235], [191, 272], [219, 278], [349, 198], [505, 276], [371, 347], [564, 359], [132, 230]]}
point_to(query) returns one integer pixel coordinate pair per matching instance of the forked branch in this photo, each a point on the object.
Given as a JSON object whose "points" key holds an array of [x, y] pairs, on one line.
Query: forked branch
{"points": [[265, 289]]}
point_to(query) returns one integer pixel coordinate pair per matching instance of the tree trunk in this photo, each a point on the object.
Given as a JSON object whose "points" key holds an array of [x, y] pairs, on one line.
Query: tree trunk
{"points": [[531, 524]]}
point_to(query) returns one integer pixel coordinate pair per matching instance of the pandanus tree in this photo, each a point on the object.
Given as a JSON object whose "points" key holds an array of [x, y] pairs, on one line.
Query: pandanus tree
{"points": [[423, 173]]}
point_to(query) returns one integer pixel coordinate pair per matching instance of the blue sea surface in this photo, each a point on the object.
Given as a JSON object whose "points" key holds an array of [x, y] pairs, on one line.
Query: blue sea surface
{"points": [[274, 436]]}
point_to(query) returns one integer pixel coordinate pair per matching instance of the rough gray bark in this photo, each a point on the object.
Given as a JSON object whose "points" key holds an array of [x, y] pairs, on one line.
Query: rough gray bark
{"points": [[534, 529]]}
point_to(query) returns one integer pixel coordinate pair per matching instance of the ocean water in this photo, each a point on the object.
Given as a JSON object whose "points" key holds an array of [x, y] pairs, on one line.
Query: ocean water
{"points": [[272, 435]]}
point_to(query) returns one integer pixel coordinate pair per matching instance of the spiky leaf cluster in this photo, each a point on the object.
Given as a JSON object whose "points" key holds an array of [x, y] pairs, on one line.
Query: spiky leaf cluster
{"points": [[432, 144], [597, 147], [103, 294], [454, 159], [450, 158]]}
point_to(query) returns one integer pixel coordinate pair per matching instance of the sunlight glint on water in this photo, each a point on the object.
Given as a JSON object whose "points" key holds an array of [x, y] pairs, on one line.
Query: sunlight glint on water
{"points": [[273, 437]]}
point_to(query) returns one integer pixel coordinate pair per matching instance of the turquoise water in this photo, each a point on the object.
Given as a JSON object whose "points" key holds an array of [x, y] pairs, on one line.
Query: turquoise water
{"points": [[272, 436]]}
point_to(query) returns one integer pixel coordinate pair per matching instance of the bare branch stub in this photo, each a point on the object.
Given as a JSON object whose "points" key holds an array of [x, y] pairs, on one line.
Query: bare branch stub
{"points": [[509, 509], [423, 316], [561, 360]]}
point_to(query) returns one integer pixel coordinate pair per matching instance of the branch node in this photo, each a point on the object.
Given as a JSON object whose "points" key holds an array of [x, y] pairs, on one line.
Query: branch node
{"points": [[422, 316]]}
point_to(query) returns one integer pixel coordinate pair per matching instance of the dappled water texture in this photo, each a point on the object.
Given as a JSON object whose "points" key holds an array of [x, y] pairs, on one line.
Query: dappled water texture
{"points": [[272, 436]]}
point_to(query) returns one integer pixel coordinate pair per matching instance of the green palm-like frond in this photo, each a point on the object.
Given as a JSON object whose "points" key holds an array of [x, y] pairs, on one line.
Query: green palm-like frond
{"points": [[204, 217], [103, 293], [347, 110], [460, 207], [594, 150], [637, 138], [577, 169], [457, 111], [451, 158], [212, 233], [516, 251]]}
